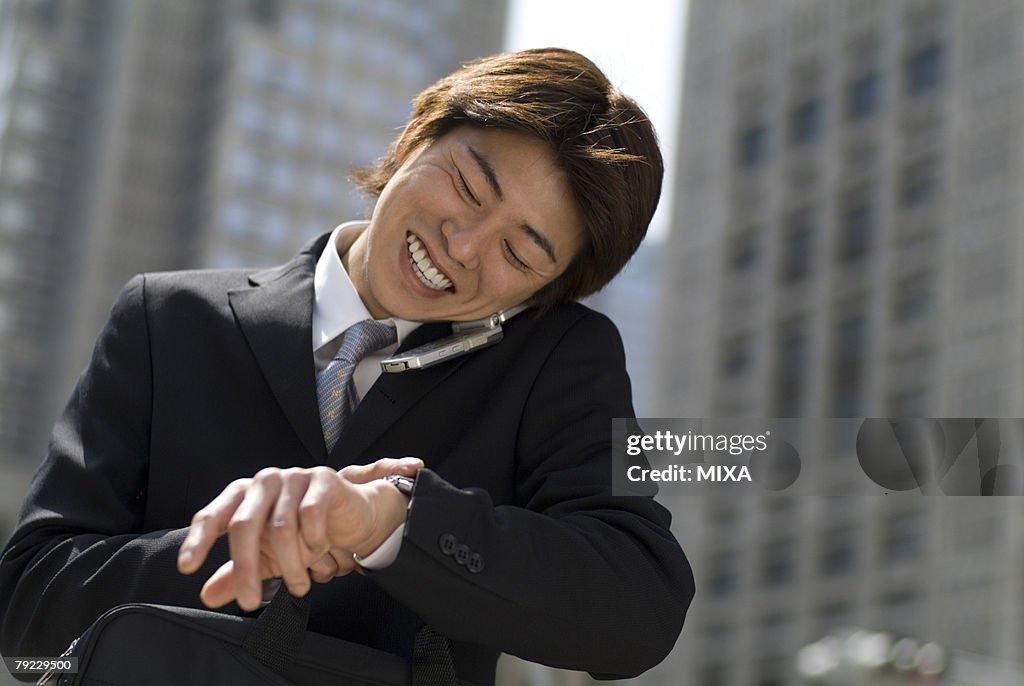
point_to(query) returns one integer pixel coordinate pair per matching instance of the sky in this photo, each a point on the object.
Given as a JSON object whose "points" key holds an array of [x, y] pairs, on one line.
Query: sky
{"points": [[639, 46]]}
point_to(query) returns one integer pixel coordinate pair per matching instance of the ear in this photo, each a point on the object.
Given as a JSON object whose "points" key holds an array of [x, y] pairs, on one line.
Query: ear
{"points": [[408, 133]]}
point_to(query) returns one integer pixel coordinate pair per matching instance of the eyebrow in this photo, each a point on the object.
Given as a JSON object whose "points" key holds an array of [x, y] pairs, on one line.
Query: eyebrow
{"points": [[540, 240], [492, 180]]}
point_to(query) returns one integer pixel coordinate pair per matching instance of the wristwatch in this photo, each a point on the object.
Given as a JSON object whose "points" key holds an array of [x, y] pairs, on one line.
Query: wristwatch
{"points": [[404, 484]]}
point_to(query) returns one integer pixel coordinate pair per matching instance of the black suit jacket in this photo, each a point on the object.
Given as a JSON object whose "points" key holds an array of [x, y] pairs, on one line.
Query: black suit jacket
{"points": [[513, 541]]}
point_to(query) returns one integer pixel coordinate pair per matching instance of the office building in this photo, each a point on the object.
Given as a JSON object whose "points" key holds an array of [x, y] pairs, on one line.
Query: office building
{"points": [[845, 244]]}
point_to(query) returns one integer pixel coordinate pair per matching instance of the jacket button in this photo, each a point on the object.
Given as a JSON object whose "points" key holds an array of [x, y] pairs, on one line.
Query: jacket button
{"points": [[447, 543], [462, 554], [475, 564]]}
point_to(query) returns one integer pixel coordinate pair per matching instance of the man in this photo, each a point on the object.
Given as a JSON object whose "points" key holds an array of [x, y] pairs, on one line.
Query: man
{"points": [[521, 177]]}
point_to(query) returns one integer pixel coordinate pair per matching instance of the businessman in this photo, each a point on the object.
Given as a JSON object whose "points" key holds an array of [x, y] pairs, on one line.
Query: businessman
{"points": [[233, 428]]}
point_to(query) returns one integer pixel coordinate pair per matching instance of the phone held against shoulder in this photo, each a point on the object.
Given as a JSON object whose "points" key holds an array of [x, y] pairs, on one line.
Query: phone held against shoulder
{"points": [[466, 337]]}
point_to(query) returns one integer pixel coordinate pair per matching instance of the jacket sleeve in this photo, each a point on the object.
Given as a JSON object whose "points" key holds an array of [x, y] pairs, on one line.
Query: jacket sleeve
{"points": [[571, 576], [73, 554]]}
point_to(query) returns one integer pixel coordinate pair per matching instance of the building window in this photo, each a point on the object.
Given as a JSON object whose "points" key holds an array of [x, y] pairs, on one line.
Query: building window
{"points": [[776, 563], [903, 536], [798, 246], [838, 551], [924, 70], [864, 96], [790, 366], [753, 146], [265, 12], [744, 250], [806, 122], [857, 226], [920, 182], [848, 366], [913, 299], [723, 581], [738, 358]]}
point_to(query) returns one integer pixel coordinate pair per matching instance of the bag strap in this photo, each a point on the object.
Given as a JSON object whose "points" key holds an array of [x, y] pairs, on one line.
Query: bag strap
{"points": [[276, 636], [432, 661]]}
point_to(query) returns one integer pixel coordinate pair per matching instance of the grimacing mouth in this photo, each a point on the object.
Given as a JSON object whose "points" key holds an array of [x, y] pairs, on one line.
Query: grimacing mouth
{"points": [[424, 268]]}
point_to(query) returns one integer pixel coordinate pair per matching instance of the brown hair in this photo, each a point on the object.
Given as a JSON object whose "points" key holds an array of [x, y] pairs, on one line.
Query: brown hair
{"points": [[600, 137]]}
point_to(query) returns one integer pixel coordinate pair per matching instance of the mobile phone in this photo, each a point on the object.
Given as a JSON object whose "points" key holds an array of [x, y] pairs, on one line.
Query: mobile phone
{"points": [[466, 337]]}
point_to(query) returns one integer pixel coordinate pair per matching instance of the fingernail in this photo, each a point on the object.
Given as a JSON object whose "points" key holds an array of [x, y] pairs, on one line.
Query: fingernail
{"points": [[411, 461]]}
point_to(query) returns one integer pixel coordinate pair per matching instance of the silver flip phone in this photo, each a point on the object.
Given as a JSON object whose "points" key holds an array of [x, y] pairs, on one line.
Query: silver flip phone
{"points": [[466, 337]]}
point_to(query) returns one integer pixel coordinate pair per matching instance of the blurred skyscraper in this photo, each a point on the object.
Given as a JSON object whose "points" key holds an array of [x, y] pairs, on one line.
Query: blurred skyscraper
{"points": [[142, 135], [847, 242]]}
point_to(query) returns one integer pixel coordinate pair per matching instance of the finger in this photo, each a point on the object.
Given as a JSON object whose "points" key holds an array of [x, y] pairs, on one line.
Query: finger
{"points": [[313, 508], [208, 524], [245, 529], [345, 562], [361, 474], [219, 589], [324, 569], [335, 562], [287, 547]]}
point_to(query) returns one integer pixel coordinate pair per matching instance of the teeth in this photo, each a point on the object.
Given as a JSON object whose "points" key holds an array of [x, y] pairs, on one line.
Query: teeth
{"points": [[424, 269]]}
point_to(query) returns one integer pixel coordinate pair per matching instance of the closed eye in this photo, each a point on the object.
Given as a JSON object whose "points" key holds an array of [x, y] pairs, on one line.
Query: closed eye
{"points": [[513, 259], [465, 187]]}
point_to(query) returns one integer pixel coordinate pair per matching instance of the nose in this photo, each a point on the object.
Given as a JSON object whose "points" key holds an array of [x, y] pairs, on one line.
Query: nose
{"points": [[466, 241]]}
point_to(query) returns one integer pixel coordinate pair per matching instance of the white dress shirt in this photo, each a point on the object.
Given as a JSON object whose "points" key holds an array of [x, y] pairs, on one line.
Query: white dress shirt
{"points": [[337, 306]]}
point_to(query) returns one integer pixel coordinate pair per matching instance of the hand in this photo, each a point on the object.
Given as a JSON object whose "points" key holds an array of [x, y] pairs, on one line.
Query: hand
{"points": [[294, 524]]}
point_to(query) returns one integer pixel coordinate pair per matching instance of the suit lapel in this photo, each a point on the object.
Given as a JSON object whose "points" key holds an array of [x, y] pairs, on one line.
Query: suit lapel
{"points": [[276, 317], [390, 397]]}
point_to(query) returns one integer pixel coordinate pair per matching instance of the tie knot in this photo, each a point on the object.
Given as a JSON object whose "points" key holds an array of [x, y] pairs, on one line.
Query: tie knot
{"points": [[365, 337]]}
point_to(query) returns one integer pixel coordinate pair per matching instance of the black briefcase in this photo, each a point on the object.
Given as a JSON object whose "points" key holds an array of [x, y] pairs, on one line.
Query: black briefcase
{"points": [[159, 645]]}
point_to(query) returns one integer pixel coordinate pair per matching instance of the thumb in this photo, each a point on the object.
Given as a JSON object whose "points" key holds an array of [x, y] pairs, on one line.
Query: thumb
{"points": [[364, 473]]}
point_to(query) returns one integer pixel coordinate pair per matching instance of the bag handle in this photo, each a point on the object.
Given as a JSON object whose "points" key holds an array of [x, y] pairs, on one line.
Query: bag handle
{"points": [[276, 636]]}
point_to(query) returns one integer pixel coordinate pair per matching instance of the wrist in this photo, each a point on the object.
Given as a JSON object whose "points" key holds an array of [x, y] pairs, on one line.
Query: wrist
{"points": [[390, 506]]}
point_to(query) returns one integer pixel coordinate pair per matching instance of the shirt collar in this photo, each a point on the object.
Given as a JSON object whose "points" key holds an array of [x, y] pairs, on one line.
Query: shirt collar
{"points": [[337, 305]]}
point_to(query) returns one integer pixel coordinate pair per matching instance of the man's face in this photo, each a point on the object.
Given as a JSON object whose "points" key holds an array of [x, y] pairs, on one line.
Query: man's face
{"points": [[474, 223]]}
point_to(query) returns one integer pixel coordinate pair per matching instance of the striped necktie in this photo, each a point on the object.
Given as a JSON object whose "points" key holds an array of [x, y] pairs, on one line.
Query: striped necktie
{"points": [[336, 393]]}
